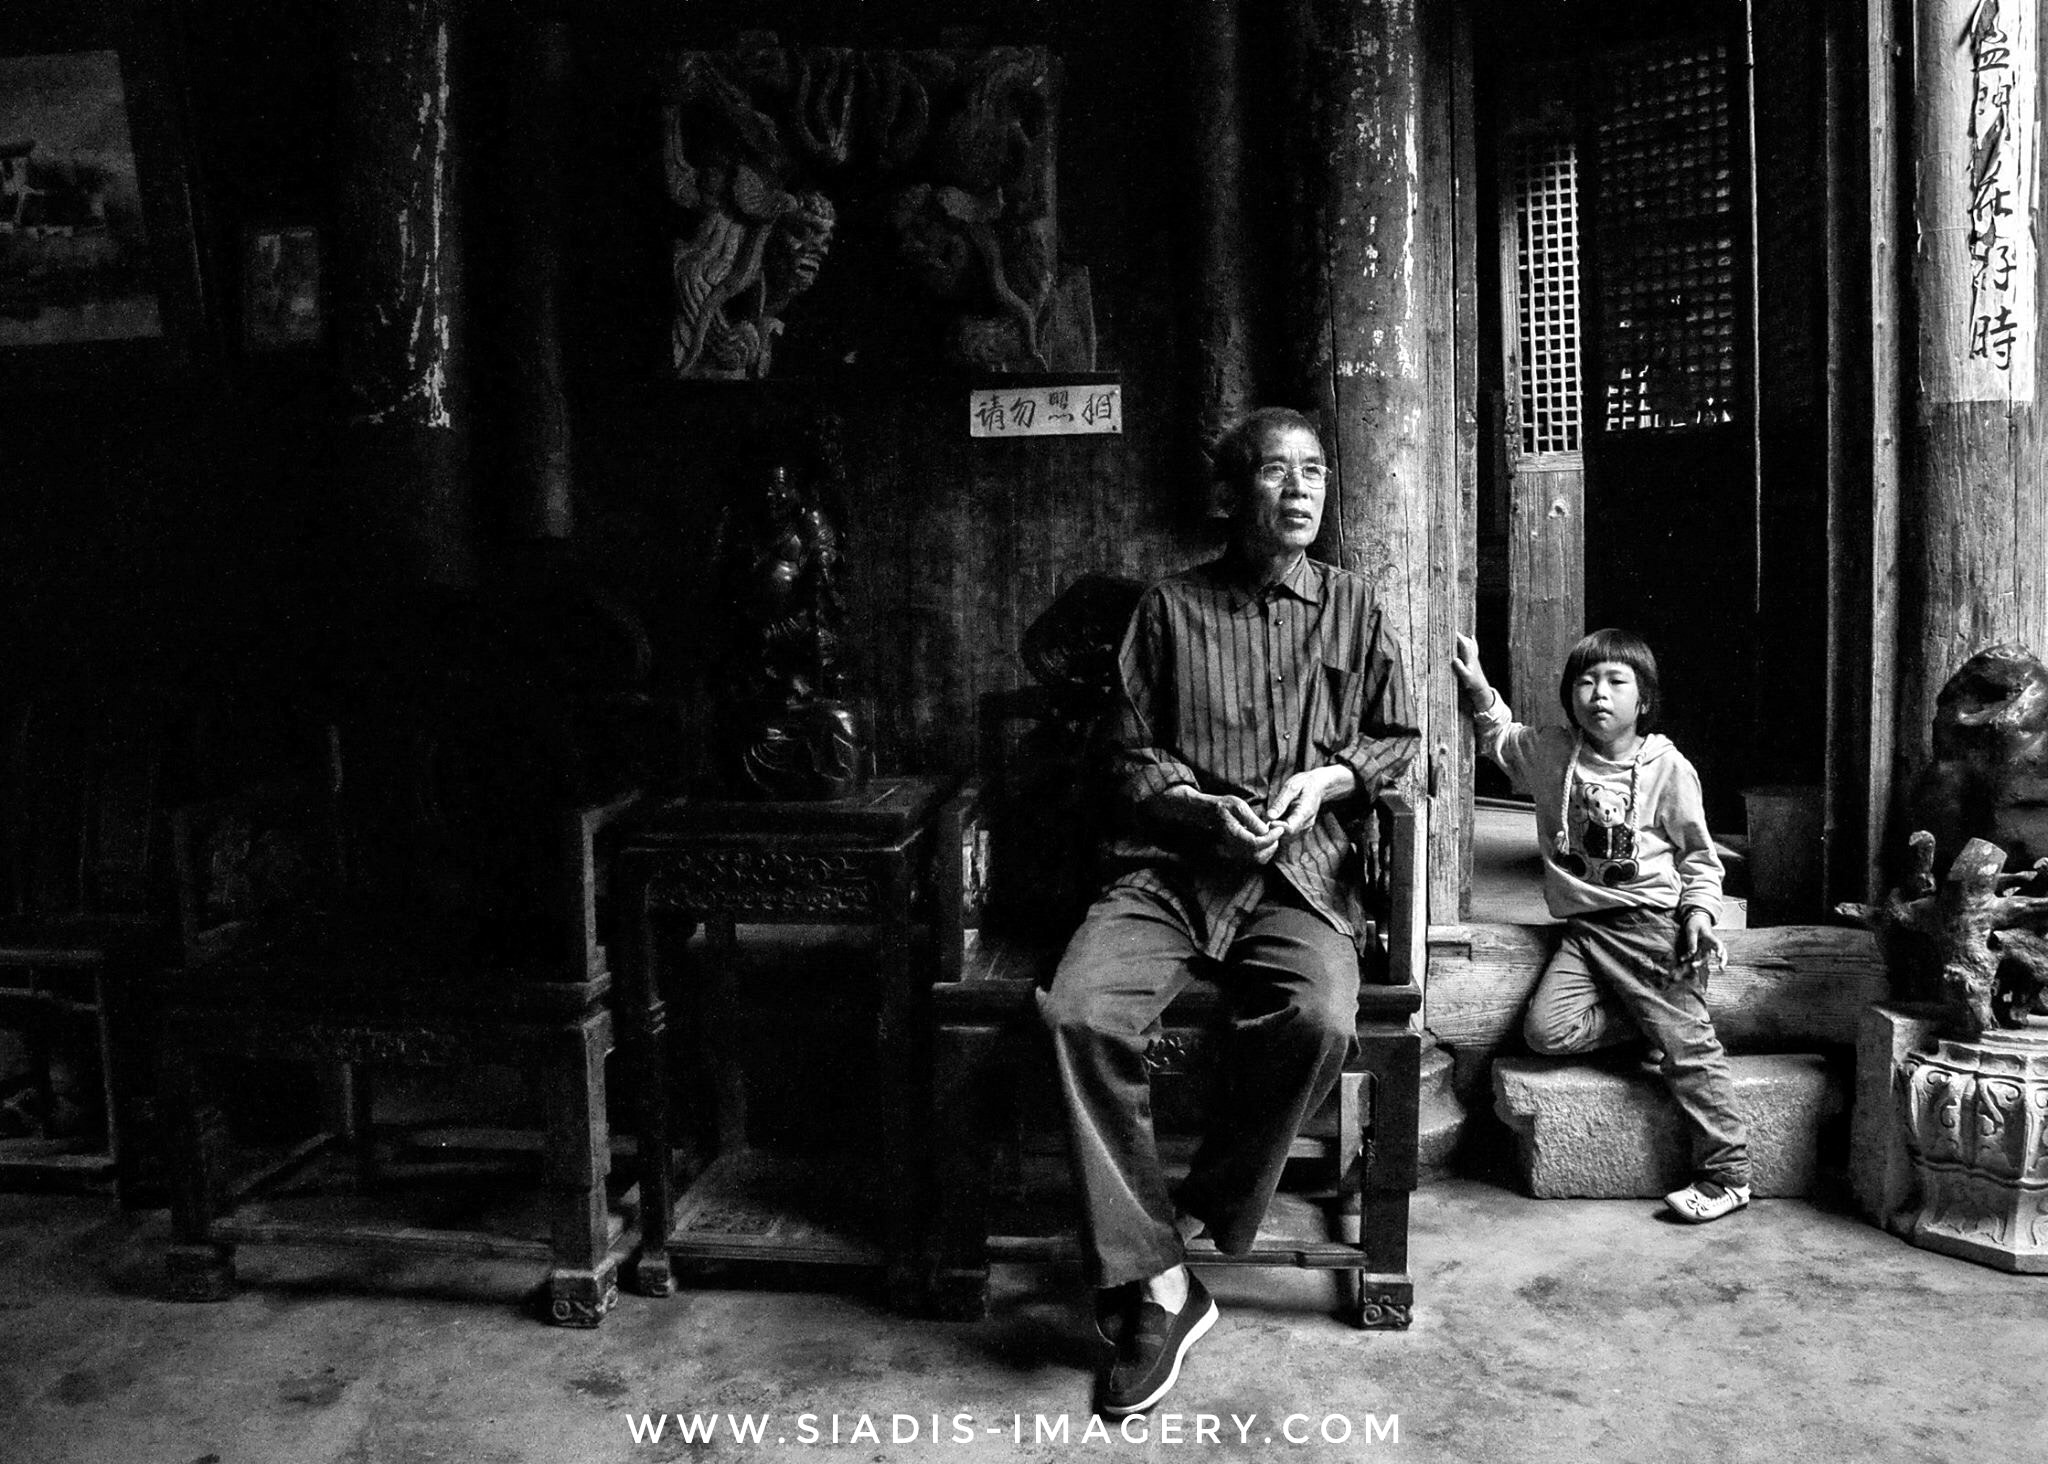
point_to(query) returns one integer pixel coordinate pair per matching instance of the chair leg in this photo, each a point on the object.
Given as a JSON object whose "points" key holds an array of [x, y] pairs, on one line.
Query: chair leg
{"points": [[644, 1044], [961, 1164], [361, 1089], [1385, 1305], [583, 1284], [134, 1120], [198, 1268], [1394, 1057], [1350, 1155]]}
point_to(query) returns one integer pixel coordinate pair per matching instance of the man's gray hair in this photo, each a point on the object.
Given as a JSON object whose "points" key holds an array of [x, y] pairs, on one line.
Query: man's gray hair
{"points": [[1237, 451]]}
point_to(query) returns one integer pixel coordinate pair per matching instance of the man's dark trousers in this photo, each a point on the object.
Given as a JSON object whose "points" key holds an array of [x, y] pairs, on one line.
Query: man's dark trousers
{"points": [[1292, 982]]}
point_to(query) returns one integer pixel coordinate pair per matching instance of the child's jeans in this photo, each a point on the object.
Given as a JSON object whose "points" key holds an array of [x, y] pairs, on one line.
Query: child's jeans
{"points": [[1610, 981]]}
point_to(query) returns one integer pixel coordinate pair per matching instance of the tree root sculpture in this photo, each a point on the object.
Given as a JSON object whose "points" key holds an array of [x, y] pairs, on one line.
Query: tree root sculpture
{"points": [[1991, 941]]}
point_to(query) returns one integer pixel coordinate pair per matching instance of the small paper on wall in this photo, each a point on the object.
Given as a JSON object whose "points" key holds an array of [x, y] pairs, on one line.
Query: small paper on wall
{"points": [[1045, 411]]}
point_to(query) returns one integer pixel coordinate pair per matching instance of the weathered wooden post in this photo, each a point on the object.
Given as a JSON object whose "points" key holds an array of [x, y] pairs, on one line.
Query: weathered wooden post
{"points": [[398, 274], [1375, 331], [1974, 503], [1223, 254], [527, 216]]}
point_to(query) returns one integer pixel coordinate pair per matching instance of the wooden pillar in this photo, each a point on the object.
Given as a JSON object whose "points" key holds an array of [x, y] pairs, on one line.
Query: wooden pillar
{"points": [[531, 398], [399, 278], [1222, 245], [1974, 499], [1456, 555], [1865, 438], [1375, 281]]}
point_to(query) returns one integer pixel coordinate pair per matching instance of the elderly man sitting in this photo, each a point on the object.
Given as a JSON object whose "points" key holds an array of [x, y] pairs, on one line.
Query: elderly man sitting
{"points": [[1259, 693]]}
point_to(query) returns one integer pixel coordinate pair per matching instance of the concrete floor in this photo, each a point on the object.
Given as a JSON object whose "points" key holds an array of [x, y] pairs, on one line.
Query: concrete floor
{"points": [[1547, 1330]]}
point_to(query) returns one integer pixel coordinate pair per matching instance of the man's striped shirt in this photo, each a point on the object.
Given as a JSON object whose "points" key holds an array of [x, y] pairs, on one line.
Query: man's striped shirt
{"points": [[1233, 688]]}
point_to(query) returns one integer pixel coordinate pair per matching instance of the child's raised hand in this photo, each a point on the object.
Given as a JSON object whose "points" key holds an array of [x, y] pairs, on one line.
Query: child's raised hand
{"points": [[1471, 676]]}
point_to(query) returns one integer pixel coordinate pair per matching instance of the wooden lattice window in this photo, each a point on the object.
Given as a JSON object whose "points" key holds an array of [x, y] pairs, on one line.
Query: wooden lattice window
{"points": [[1547, 293], [1666, 221]]}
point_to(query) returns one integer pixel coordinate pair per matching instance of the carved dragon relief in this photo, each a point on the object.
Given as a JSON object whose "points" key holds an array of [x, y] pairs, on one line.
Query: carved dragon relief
{"points": [[948, 156]]}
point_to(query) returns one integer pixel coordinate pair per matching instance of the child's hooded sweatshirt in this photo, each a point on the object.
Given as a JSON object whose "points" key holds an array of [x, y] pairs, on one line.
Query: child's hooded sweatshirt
{"points": [[1613, 833]]}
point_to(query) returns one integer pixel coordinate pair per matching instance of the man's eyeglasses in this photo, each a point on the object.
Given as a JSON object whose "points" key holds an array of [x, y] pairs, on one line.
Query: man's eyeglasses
{"points": [[1312, 475]]}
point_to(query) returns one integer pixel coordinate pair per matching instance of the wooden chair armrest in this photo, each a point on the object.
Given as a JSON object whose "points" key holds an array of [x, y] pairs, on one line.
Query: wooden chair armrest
{"points": [[595, 817], [1407, 888], [954, 876], [581, 871]]}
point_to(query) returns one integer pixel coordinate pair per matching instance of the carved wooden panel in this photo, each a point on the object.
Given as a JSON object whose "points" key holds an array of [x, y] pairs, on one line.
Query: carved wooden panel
{"points": [[948, 156], [781, 883]]}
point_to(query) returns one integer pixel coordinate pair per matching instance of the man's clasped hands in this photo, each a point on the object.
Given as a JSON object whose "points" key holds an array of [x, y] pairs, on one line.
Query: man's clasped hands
{"points": [[1240, 833]]}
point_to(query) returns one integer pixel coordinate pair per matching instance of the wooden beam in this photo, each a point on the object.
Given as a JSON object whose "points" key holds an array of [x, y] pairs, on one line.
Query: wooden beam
{"points": [[1786, 987]]}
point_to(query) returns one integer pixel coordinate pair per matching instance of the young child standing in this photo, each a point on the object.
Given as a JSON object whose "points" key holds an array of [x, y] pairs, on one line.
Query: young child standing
{"points": [[1629, 867]]}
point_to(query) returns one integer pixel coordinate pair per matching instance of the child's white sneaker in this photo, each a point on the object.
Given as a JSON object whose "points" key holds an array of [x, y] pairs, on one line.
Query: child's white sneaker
{"points": [[1707, 1199]]}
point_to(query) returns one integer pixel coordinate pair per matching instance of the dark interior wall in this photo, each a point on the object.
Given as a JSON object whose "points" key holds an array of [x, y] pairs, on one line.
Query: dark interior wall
{"points": [[207, 505], [176, 516], [953, 544]]}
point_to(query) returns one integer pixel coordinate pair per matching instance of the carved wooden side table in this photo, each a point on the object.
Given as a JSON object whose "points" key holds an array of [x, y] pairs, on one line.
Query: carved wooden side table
{"points": [[854, 861]]}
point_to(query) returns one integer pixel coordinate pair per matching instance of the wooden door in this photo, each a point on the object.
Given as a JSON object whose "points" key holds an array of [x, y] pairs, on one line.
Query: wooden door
{"points": [[1626, 486], [1543, 426], [1671, 464]]}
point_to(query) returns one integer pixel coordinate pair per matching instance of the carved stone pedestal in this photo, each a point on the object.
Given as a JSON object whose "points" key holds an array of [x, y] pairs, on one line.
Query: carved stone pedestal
{"points": [[1976, 1119]]}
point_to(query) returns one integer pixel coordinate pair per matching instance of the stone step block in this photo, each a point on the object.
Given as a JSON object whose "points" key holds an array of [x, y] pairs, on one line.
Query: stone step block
{"points": [[1592, 1131]]}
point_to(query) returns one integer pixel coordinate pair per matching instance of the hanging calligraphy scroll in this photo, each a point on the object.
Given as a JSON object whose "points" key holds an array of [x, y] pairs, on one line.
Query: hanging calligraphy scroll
{"points": [[1977, 154]]}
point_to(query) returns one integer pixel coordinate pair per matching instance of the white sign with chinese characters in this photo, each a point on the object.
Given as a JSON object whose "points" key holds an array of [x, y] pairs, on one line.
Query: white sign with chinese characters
{"points": [[1045, 411], [1977, 199]]}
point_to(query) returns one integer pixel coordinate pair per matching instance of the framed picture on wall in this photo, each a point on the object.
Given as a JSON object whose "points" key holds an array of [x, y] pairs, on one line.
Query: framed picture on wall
{"points": [[99, 269], [282, 302]]}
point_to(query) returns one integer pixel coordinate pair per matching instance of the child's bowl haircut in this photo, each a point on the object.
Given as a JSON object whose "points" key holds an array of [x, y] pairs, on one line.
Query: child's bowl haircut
{"points": [[1626, 648]]}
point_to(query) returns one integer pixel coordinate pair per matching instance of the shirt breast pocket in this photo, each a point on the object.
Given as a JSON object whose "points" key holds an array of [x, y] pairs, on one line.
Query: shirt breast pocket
{"points": [[1337, 710]]}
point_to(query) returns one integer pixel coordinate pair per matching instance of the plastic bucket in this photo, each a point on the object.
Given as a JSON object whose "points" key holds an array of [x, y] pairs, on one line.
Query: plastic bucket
{"points": [[1784, 853]]}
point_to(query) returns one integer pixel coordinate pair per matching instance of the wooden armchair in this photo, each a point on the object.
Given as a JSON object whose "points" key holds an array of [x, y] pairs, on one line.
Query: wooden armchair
{"points": [[432, 906], [992, 1086], [1013, 849], [83, 894]]}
